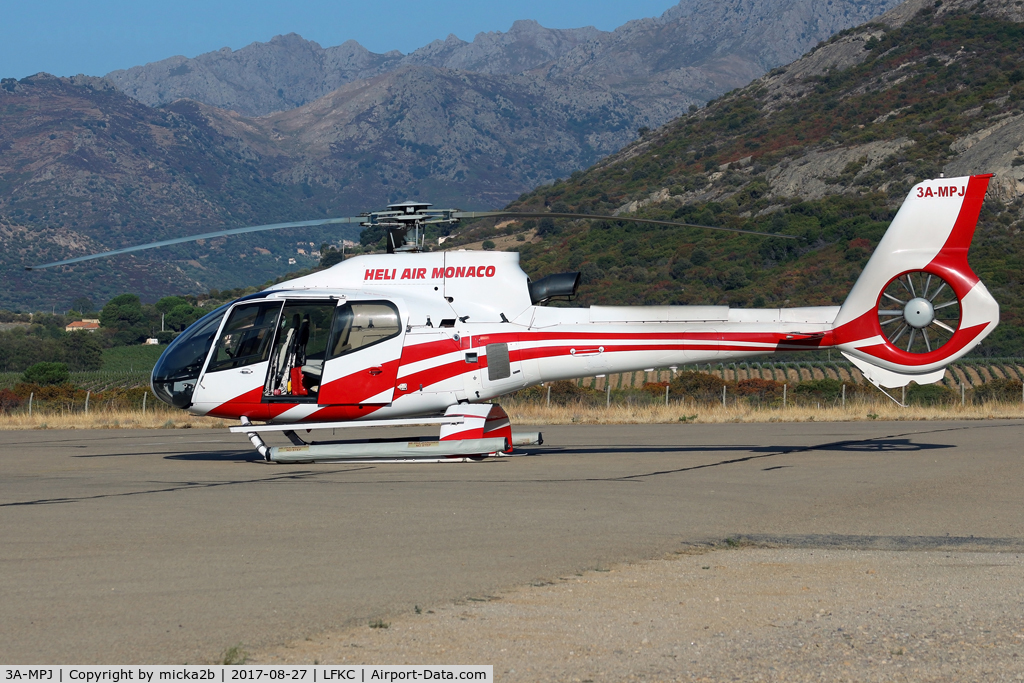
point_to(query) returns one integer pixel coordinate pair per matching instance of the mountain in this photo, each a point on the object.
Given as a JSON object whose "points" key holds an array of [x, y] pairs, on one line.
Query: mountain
{"points": [[693, 52], [289, 71], [826, 149], [456, 138], [86, 168]]}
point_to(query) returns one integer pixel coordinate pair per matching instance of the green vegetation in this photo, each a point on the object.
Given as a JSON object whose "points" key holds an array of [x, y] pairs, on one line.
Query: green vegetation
{"points": [[234, 656], [46, 374], [44, 339], [770, 385], [139, 358], [125, 323]]}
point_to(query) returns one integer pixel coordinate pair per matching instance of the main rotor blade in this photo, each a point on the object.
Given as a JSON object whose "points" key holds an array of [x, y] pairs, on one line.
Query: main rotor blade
{"points": [[627, 219], [205, 235]]}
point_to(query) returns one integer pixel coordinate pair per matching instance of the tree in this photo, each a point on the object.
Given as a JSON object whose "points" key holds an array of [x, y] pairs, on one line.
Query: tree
{"points": [[330, 256], [83, 305], [82, 351], [182, 315], [46, 374], [124, 316], [169, 302], [121, 312], [547, 227]]}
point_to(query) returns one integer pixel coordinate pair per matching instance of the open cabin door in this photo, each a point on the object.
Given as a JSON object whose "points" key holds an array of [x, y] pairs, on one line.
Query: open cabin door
{"points": [[233, 380], [363, 354]]}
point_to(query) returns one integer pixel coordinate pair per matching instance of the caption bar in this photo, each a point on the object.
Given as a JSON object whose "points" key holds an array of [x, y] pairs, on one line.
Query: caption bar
{"points": [[225, 674]]}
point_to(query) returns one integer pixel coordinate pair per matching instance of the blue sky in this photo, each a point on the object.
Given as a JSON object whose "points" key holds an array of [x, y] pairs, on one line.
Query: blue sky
{"points": [[67, 37]]}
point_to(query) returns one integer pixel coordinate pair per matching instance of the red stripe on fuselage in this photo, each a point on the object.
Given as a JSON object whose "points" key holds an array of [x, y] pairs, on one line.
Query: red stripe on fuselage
{"points": [[414, 353]]}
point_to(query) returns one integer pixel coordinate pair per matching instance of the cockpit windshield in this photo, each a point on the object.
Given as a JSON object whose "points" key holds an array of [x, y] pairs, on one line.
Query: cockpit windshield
{"points": [[176, 373]]}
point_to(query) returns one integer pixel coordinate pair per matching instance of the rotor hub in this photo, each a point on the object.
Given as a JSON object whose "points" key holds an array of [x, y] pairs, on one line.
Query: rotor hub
{"points": [[919, 312]]}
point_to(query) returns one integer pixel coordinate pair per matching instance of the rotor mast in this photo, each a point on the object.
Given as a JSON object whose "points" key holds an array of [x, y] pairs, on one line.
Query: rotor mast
{"points": [[406, 224]]}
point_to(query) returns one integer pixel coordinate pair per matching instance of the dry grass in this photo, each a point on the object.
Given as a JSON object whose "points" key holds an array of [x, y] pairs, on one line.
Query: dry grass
{"points": [[529, 413], [111, 419], [536, 414]]}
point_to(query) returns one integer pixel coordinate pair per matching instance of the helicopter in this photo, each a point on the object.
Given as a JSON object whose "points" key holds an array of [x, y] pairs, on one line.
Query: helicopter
{"points": [[419, 337]]}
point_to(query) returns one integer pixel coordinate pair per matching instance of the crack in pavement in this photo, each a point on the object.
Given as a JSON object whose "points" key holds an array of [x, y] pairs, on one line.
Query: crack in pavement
{"points": [[179, 486]]}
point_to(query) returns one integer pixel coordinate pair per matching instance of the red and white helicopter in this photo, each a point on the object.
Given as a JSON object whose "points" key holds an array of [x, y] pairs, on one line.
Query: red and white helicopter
{"points": [[417, 337]]}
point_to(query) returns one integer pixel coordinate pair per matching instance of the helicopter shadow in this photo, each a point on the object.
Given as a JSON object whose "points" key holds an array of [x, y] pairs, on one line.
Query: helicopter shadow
{"points": [[882, 446], [217, 456], [861, 446], [739, 453]]}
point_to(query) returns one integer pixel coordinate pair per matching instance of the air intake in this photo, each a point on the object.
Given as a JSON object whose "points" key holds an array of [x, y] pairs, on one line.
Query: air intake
{"points": [[558, 286]]}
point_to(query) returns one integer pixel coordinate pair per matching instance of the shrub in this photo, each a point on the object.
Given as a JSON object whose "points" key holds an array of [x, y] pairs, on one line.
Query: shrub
{"points": [[562, 392], [997, 390], [699, 385], [764, 389], [9, 400], [655, 388], [46, 374], [826, 390], [930, 394]]}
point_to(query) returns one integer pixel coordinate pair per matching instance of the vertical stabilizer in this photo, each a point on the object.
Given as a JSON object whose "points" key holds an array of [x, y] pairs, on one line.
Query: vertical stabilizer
{"points": [[918, 306]]}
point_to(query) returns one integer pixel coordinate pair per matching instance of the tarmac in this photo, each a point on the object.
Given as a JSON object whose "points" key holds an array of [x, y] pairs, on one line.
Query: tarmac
{"points": [[170, 546]]}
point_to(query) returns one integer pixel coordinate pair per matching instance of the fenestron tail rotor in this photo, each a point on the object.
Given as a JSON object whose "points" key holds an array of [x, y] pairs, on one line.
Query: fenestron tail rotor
{"points": [[404, 224], [919, 312]]}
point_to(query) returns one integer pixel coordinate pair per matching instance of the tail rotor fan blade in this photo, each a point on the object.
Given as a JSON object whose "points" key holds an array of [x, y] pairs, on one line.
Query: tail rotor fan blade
{"points": [[925, 321]]}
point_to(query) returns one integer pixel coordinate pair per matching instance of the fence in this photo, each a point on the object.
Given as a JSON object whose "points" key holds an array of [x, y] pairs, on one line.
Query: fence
{"points": [[780, 384], [66, 399], [90, 381]]}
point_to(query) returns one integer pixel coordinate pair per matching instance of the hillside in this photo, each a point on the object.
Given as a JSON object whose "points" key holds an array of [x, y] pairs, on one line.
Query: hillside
{"points": [[83, 168], [825, 149]]}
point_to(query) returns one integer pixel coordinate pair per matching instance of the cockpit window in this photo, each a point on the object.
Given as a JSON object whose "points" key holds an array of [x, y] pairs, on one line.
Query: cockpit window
{"points": [[176, 373], [247, 335]]}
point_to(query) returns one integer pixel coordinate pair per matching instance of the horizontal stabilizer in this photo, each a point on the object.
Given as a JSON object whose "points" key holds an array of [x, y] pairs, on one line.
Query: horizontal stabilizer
{"points": [[881, 377]]}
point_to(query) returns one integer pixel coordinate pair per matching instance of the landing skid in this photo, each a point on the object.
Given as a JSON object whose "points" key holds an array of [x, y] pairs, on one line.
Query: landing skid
{"points": [[468, 433]]}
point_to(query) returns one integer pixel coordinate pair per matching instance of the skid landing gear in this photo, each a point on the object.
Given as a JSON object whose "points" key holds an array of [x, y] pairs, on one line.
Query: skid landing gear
{"points": [[469, 432]]}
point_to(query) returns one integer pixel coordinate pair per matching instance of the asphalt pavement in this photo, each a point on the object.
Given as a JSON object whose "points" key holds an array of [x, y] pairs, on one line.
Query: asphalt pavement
{"points": [[169, 546]]}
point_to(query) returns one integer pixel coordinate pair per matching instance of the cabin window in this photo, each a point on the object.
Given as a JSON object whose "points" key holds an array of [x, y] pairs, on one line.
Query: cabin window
{"points": [[300, 348], [360, 324], [246, 336]]}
